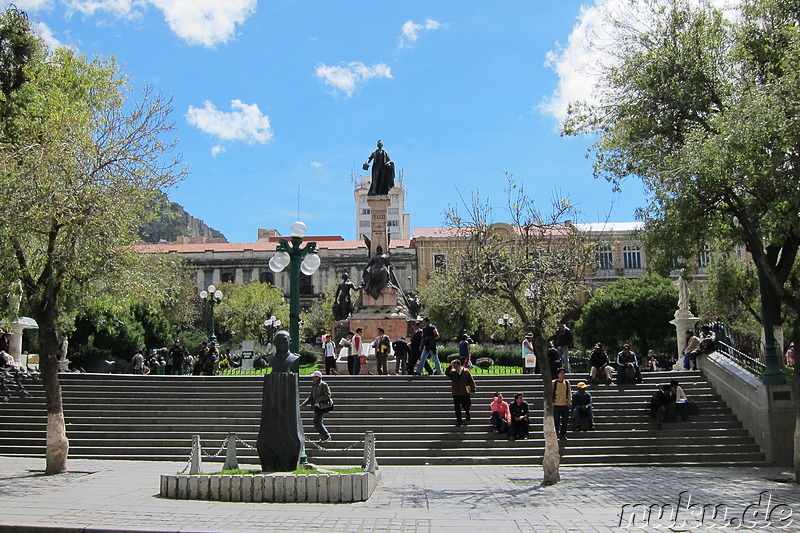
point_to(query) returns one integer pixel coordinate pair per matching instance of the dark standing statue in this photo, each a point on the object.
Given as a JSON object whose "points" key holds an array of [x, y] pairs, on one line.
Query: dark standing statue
{"points": [[280, 437], [382, 172], [342, 303]]}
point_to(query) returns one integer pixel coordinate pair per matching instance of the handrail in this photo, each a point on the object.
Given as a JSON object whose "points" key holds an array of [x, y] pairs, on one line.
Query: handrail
{"points": [[749, 363]]}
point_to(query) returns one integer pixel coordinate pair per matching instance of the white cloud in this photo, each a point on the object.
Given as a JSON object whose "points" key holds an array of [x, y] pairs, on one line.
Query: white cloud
{"points": [[316, 164], [47, 35], [410, 31], [346, 78], [245, 122], [590, 49], [32, 5], [205, 22], [120, 8]]}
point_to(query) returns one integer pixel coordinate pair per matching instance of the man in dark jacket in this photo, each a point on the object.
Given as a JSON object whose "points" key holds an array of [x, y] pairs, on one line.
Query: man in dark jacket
{"points": [[463, 385], [582, 407], [662, 405], [401, 351], [600, 364]]}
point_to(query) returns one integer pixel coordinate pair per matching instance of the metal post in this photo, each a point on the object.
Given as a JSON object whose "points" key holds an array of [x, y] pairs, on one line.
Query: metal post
{"points": [[211, 335], [773, 375], [230, 454], [196, 466], [370, 463]]}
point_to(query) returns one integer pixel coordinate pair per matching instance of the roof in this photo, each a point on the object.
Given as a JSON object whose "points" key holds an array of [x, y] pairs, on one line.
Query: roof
{"points": [[610, 227], [222, 247]]}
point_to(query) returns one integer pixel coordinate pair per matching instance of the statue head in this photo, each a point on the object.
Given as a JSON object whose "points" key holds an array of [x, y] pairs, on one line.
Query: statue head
{"points": [[380, 144], [282, 339], [345, 277]]}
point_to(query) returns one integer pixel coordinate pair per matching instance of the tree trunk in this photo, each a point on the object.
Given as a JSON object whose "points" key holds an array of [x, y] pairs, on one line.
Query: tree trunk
{"points": [[57, 442], [551, 459]]}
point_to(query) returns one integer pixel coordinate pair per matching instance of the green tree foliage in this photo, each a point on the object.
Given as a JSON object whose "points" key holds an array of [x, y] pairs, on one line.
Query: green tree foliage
{"points": [[244, 309], [79, 161], [318, 318], [703, 108], [163, 221], [635, 311], [448, 304]]}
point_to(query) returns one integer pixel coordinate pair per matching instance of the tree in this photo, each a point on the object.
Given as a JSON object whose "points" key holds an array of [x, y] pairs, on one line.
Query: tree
{"points": [[536, 264], [245, 308], [636, 311], [703, 107], [446, 302], [78, 163], [318, 318]]}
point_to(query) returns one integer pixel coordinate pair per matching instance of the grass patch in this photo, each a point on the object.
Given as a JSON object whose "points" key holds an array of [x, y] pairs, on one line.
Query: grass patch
{"points": [[300, 471]]}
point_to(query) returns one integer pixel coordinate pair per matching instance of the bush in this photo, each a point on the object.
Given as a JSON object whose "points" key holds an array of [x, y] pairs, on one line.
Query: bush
{"points": [[308, 357], [499, 356], [484, 363]]}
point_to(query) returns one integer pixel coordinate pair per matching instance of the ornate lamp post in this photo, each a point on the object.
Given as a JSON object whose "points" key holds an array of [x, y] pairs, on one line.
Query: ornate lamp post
{"points": [[505, 322], [272, 324], [213, 296], [299, 259]]}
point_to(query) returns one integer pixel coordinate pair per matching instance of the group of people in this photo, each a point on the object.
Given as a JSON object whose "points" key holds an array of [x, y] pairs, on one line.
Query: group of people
{"points": [[626, 366], [412, 357], [695, 346], [569, 408], [670, 402], [176, 360]]}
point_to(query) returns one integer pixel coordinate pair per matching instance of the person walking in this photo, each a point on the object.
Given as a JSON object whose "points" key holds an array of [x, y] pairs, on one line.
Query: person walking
{"points": [[346, 346], [428, 343], [463, 386], [321, 401], [563, 342]]}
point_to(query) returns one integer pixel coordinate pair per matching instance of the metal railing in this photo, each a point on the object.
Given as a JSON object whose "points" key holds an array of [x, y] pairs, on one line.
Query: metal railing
{"points": [[748, 362]]}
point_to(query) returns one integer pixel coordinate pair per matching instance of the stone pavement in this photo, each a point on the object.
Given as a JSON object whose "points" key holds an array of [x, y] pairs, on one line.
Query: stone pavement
{"points": [[123, 496]]}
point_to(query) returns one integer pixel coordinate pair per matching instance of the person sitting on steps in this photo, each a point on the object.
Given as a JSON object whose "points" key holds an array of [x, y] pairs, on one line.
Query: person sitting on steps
{"points": [[520, 422]]}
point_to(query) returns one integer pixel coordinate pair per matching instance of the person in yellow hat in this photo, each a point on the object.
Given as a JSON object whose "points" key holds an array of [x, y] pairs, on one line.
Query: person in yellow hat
{"points": [[582, 407]]}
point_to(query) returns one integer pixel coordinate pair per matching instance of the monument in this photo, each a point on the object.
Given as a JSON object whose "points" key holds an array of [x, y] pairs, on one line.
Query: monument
{"points": [[684, 319], [280, 436], [383, 303]]}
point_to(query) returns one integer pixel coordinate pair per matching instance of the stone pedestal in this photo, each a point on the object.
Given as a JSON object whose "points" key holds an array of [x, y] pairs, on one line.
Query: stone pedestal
{"points": [[15, 343], [684, 320], [378, 205], [280, 437]]}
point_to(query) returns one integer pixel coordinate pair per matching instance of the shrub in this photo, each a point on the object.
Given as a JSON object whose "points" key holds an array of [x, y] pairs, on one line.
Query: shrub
{"points": [[484, 363]]}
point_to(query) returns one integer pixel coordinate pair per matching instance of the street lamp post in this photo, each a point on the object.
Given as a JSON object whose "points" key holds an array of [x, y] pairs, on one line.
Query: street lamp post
{"points": [[213, 296], [505, 322], [299, 259], [272, 324]]}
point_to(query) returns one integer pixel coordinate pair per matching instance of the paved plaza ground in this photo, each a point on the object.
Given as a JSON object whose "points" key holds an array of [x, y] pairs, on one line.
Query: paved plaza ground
{"points": [[123, 496]]}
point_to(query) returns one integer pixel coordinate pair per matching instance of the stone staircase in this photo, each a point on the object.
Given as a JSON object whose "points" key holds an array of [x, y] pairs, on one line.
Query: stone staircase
{"points": [[114, 416]]}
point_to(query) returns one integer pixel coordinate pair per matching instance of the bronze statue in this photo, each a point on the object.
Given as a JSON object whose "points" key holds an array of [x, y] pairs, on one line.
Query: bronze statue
{"points": [[342, 303], [377, 273], [282, 359], [382, 172]]}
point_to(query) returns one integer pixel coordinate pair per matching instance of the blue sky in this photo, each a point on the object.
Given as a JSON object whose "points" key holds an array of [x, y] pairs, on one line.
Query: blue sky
{"points": [[274, 95]]}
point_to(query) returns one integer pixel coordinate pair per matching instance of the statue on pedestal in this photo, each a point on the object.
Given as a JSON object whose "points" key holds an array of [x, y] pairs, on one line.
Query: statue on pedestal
{"points": [[382, 172], [342, 303], [280, 437], [377, 273], [683, 293]]}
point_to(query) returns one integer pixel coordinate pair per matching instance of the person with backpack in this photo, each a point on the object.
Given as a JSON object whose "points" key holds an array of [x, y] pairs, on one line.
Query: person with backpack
{"points": [[428, 343]]}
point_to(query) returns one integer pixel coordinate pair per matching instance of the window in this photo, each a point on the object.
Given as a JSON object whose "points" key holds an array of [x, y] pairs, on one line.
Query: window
{"points": [[705, 256], [365, 211], [364, 223], [228, 277], [393, 211], [306, 287], [632, 257], [439, 261], [266, 277], [604, 257], [393, 223]]}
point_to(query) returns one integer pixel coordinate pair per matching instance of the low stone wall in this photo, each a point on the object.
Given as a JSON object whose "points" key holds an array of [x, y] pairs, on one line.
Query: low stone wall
{"points": [[767, 411], [277, 488]]}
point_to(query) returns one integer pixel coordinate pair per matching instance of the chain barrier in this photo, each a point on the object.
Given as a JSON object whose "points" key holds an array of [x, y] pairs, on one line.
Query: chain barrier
{"points": [[219, 452], [246, 445], [188, 463], [368, 452]]}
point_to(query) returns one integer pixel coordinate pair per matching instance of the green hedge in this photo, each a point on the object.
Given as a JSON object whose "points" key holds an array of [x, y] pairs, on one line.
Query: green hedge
{"points": [[500, 356]]}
